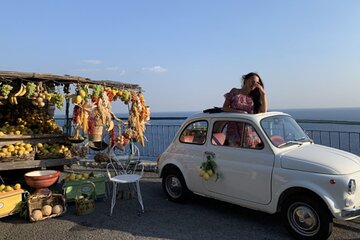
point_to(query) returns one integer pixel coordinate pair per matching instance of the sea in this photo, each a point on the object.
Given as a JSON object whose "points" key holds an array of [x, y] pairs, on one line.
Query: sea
{"points": [[335, 127]]}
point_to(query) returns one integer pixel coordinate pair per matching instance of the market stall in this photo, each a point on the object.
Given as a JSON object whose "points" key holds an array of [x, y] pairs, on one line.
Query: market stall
{"points": [[34, 142], [30, 137]]}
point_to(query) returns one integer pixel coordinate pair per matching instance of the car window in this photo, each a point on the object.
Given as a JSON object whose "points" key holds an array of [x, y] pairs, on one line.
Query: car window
{"points": [[235, 134], [194, 133], [281, 129]]}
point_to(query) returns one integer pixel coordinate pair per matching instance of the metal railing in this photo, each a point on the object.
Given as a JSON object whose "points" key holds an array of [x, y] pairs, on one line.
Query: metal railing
{"points": [[344, 135]]}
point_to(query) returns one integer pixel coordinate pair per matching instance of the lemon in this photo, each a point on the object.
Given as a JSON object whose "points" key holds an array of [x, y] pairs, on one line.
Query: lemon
{"points": [[78, 176], [17, 186], [2, 187], [82, 93], [201, 173], [206, 176], [209, 172], [40, 145], [8, 189], [77, 99], [11, 149], [28, 146], [72, 177]]}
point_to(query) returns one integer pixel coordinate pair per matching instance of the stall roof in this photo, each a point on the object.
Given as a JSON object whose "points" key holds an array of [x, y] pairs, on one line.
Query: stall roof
{"points": [[7, 76]]}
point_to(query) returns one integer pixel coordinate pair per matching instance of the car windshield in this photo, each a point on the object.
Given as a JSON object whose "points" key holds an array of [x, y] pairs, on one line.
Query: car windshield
{"points": [[283, 131]]}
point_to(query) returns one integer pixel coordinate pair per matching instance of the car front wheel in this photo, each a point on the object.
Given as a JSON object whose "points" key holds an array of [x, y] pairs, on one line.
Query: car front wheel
{"points": [[174, 185], [307, 218]]}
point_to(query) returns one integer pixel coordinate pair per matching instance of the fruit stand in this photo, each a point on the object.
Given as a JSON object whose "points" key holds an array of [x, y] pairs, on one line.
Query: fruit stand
{"points": [[30, 137]]}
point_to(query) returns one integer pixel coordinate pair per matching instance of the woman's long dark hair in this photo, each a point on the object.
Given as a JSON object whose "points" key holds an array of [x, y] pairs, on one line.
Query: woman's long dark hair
{"points": [[254, 94]]}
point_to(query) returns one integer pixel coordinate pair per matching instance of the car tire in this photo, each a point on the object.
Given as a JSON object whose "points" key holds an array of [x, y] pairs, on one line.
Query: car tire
{"points": [[305, 217], [174, 185]]}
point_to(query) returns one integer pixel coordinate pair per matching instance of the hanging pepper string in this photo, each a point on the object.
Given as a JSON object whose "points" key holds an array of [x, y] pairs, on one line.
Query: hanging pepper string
{"points": [[91, 124], [112, 137], [76, 113]]}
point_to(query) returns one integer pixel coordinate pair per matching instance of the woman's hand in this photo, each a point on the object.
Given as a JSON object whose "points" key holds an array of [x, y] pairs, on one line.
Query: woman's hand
{"points": [[261, 89]]}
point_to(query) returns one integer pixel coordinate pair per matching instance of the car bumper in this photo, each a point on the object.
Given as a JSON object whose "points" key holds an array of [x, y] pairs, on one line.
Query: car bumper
{"points": [[350, 213]]}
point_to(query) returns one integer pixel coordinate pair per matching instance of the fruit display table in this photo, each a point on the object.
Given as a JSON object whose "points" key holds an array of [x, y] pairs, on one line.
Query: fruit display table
{"points": [[31, 137]]}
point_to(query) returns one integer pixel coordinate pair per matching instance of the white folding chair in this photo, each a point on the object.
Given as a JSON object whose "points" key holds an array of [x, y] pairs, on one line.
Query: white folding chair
{"points": [[124, 172]]}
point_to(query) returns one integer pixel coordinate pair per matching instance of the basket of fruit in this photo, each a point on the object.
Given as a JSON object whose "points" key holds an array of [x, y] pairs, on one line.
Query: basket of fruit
{"points": [[17, 152], [52, 151], [85, 202], [42, 207]]}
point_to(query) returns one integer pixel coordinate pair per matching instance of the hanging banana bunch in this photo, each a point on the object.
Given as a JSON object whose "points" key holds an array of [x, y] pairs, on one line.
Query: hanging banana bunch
{"points": [[21, 92]]}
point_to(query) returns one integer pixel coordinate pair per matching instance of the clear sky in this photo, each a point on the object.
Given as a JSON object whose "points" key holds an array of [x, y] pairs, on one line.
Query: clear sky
{"points": [[187, 54]]}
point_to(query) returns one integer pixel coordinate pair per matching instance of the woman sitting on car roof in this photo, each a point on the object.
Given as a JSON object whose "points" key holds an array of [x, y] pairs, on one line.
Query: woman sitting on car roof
{"points": [[251, 98]]}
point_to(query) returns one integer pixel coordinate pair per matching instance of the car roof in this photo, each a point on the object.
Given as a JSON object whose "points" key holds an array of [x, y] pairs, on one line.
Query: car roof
{"points": [[251, 117]]}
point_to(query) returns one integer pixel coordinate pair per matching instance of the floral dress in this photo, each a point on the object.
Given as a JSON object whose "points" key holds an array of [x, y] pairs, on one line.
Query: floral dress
{"points": [[235, 129]]}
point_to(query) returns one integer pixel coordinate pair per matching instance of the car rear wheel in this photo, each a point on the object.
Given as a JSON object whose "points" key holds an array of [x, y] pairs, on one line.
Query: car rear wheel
{"points": [[174, 185], [305, 217]]}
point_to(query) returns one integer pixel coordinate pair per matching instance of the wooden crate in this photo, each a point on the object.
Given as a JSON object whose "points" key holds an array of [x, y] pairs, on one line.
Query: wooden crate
{"points": [[10, 202]]}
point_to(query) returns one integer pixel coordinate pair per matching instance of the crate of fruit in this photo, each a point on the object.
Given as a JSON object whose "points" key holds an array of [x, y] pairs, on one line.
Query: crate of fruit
{"points": [[41, 207], [17, 152], [10, 199], [73, 182], [52, 151]]}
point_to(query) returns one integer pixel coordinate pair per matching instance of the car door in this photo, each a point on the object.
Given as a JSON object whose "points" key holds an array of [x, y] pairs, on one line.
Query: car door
{"points": [[190, 148], [244, 162]]}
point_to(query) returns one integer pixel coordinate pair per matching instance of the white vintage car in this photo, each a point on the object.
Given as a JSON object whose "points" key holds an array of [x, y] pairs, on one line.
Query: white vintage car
{"points": [[264, 162]]}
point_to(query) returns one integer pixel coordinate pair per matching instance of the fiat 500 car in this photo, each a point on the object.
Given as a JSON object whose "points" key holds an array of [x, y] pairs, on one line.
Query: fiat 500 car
{"points": [[264, 162]]}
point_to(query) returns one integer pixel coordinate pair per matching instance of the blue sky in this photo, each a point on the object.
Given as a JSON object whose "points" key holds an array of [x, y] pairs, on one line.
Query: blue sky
{"points": [[187, 54]]}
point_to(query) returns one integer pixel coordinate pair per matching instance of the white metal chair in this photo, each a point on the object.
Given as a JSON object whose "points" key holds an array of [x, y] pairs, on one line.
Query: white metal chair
{"points": [[124, 172]]}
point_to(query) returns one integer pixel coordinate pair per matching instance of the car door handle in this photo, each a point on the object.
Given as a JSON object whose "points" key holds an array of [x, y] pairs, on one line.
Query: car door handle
{"points": [[210, 153]]}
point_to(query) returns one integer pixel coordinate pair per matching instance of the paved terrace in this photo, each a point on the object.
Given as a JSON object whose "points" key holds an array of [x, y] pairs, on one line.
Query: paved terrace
{"points": [[200, 218]]}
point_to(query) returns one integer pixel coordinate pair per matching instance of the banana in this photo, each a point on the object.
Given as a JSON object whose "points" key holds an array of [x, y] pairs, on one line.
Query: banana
{"points": [[111, 126], [23, 90], [20, 90], [11, 100]]}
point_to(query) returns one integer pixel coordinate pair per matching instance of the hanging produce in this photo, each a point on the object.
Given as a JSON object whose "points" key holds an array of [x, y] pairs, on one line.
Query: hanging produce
{"points": [[139, 114], [5, 90]]}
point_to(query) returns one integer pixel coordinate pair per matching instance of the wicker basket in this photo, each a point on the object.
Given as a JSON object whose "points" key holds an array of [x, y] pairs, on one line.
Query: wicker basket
{"points": [[27, 157], [85, 204], [40, 156], [36, 202]]}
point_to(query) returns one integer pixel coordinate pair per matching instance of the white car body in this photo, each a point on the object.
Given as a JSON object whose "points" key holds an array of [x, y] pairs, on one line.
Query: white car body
{"points": [[260, 179]]}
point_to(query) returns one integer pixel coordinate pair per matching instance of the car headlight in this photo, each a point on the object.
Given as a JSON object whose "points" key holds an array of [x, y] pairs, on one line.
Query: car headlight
{"points": [[352, 186]]}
